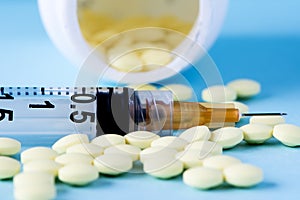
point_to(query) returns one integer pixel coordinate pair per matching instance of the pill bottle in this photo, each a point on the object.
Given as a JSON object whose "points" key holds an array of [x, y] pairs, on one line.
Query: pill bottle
{"points": [[66, 21]]}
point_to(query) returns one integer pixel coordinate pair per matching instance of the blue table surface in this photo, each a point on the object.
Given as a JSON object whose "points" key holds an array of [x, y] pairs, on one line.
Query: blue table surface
{"points": [[28, 58]]}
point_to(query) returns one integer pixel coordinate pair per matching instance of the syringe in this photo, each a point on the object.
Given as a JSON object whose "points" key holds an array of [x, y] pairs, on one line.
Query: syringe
{"points": [[99, 110]]}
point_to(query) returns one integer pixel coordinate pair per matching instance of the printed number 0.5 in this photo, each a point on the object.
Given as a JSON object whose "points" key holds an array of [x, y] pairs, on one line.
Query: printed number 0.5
{"points": [[8, 112], [84, 116]]}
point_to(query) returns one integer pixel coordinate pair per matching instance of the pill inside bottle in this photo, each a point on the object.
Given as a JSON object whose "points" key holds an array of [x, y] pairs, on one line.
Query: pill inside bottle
{"points": [[142, 32]]}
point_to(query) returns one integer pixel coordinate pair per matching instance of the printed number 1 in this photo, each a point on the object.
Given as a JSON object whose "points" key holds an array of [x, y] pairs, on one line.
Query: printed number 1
{"points": [[6, 96], [46, 105], [8, 112]]}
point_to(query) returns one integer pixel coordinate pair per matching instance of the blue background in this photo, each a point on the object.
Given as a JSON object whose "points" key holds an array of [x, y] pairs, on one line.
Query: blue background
{"points": [[259, 40]]}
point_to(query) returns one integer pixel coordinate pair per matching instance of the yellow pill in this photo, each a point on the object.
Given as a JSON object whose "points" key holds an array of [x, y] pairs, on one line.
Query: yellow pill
{"points": [[70, 158], [235, 175], [154, 152], [141, 139], [9, 146], [156, 57], [203, 178], [108, 140], [172, 142], [113, 164], [220, 162], [78, 174], [267, 120], [124, 149], [163, 167], [219, 93], [8, 167], [63, 143], [38, 153], [191, 158], [25, 179], [195, 134], [128, 63], [90, 149], [227, 137], [257, 133], [180, 92], [287, 134], [48, 166], [245, 88], [205, 148]]}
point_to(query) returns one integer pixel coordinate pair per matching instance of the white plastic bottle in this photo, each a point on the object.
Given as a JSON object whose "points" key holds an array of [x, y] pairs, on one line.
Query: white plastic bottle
{"points": [[60, 18]]}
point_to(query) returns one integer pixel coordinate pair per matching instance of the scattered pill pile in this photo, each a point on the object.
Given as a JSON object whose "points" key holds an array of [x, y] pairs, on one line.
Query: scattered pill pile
{"points": [[138, 49], [196, 154], [240, 88], [9, 166]]}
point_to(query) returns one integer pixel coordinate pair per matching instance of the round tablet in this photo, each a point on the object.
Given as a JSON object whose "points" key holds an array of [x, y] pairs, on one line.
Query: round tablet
{"points": [[163, 167], [113, 164], [170, 142], [25, 179], [227, 137], [48, 166], [205, 148], [180, 92], [9, 146], [87, 149], [191, 158], [154, 152], [8, 167], [195, 134], [203, 178], [287, 134], [38, 153], [108, 140], [129, 62], [220, 162], [78, 174], [63, 143], [267, 120], [257, 133], [124, 149], [35, 192], [70, 158], [141, 139], [218, 93], [245, 88], [156, 57], [243, 175]]}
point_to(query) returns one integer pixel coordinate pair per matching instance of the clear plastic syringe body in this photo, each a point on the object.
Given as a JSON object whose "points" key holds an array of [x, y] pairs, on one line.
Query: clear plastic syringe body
{"points": [[98, 110]]}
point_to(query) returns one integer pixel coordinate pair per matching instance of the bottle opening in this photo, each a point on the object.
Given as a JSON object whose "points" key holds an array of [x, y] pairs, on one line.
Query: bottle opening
{"points": [[137, 35]]}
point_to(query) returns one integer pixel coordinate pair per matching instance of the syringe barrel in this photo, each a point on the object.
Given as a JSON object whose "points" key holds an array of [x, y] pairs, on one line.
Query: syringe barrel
{"points": [[90, 110], [99, 110]]}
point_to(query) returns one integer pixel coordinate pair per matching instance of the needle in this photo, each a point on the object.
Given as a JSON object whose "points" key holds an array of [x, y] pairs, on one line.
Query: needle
{"points": [[263, 114]]}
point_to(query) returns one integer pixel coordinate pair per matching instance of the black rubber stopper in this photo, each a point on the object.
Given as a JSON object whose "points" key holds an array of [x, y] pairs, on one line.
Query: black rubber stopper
{"points": [[113, 112]]}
